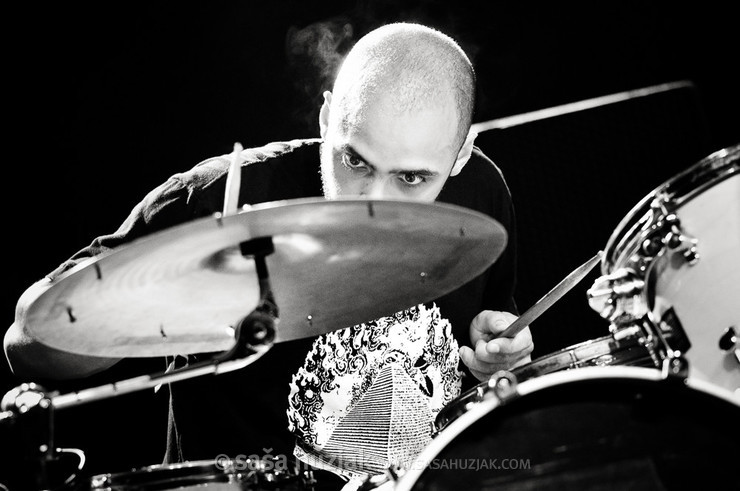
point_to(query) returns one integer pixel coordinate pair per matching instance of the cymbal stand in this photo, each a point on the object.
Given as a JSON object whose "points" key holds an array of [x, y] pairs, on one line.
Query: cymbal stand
{"points": [[31, 406]]}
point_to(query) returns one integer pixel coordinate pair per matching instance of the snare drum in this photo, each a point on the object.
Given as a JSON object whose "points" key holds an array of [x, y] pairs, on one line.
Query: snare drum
{"points": [[616, 427], [675, 260], [624, 347], [219, 475]]}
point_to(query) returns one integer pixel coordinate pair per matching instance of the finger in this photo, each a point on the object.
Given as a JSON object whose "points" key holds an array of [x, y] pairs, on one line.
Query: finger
{"points": [[503, 352], [467, 355], [491, 322], [500, 321], [501, 360], [522, 342]]}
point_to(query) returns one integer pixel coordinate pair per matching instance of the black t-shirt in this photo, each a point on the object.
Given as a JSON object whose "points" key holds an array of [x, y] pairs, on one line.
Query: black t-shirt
{"points": [[244, 412]]}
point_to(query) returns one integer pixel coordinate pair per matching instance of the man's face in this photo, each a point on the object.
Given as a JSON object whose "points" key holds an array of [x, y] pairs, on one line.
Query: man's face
{"points": [[387, 155]]}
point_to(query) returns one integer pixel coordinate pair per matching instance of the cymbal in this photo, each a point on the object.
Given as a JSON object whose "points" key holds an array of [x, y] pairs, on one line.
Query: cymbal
{"points": [[335, 264]]}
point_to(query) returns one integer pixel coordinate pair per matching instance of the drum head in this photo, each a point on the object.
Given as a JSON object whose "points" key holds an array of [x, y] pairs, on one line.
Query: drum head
{"points": [[593, 428]]}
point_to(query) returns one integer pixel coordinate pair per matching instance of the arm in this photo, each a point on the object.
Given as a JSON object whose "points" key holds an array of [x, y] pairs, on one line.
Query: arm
{"points": [[488, 353]]}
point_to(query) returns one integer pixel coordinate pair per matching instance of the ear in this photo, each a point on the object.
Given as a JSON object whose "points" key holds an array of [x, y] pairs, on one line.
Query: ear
{"points": [[324, 114], [464, 154]]}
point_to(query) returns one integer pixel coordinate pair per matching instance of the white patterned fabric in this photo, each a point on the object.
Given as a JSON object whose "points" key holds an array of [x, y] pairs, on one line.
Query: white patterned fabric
{"points": [[366, 396]]}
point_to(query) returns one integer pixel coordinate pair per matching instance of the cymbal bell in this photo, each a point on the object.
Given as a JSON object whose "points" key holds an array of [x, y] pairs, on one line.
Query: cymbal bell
{"points": [[335, 264]]}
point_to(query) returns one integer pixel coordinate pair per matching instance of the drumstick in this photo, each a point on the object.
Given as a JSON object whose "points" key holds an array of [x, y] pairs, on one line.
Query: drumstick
{"points": [[233, 181], [551, 297]]}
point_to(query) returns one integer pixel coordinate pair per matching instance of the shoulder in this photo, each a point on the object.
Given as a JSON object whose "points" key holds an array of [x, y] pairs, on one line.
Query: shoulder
{"points": [[481, 166], [207, 172], [480, 185]]}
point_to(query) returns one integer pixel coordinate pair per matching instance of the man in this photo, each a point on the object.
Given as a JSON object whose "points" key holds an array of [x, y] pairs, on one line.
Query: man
{"points": [[396, 125]]}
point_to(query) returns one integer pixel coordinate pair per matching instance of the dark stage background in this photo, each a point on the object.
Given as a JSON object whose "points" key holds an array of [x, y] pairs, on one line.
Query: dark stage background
{"points": [[105, 102]]}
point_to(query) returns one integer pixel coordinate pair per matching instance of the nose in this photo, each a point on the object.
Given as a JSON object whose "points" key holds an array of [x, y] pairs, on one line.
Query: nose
{"points": [[380, 188], [376, 189]]}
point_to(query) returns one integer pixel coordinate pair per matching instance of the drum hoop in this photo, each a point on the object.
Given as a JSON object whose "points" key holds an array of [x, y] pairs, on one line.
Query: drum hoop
{"points": [[199, 467], [457, 426], [592, 347], [674, 193]]}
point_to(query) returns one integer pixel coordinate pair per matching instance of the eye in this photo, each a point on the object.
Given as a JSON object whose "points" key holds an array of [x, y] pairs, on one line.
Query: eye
{"points": [[412, 178], [351, 161]]}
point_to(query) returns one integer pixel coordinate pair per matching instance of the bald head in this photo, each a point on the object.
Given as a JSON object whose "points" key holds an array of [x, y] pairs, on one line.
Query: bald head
{"points": [[406, 67]]}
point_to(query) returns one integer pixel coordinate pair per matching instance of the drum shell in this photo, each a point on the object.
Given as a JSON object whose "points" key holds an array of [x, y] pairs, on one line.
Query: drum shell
{"points": [[596, 427], [683, 241]]}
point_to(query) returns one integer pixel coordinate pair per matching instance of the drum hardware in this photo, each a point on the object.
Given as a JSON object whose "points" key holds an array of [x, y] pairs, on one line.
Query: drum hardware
{"points": [[29, 410], [29, 407], [666, 235], [729, 342], [661, 338], [623, 340], [30, 403], [675, 366], [503, 386], [267, 473], [193, 282], [617, 297], [254, 335], [634, 345], [672, 266]]}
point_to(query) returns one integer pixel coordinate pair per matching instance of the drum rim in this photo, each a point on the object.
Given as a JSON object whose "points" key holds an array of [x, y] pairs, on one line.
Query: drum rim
{"points": [[475, 393], [457, 426], [712, 169], [162, 468]]}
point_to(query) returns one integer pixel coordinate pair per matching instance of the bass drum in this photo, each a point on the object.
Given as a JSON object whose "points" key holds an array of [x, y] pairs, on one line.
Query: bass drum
{"points": [[675, 259], [594, 428]]}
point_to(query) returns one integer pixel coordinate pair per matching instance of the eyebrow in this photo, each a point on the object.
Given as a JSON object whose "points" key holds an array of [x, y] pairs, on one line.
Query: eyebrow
{"points": [[347, 148]]}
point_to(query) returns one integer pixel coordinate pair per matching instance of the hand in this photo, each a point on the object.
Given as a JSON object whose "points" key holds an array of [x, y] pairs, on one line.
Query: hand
{"points": [[491, 353]]}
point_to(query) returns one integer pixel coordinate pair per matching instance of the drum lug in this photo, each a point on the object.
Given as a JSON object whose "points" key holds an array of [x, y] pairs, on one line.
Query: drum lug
{"points": [[503, 385], [681, 243], [729, 342], [675, 367]]}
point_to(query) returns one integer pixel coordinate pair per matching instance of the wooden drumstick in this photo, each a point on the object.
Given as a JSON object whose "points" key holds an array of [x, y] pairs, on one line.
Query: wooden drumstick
{"points": [[551, 297], [233, 182]]}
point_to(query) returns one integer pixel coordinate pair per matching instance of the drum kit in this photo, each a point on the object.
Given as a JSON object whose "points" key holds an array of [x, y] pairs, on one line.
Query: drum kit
{"points": [[655, 404]]}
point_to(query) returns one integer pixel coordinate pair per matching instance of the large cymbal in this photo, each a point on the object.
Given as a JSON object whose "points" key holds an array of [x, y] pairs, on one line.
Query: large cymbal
{"points": [[335, 264]]}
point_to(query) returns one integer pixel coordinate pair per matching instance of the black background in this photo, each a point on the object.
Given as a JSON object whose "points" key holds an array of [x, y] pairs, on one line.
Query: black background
{"points": [[105, 101]]}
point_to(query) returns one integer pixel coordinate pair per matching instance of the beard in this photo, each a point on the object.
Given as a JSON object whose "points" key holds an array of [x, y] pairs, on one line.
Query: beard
{"points": [[329, 184]]}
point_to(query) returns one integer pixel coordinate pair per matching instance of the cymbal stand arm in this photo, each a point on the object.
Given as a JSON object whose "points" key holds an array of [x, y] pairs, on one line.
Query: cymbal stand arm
{"points": [[254, 336], [31, 407]]}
